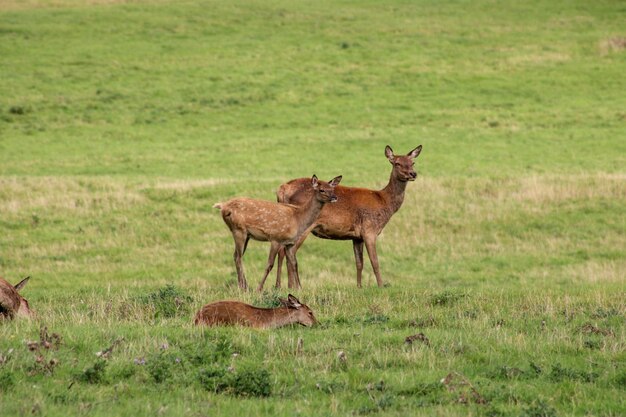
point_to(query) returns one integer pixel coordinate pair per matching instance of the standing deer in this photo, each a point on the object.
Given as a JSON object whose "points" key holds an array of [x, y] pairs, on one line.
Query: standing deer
{"points": [[235, 312], [11, 302], [281, 224], [359, 215]]}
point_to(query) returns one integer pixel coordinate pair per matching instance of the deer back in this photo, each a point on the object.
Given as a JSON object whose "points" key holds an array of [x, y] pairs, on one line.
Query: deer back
{"points": [[265, 220], [281, 222]]}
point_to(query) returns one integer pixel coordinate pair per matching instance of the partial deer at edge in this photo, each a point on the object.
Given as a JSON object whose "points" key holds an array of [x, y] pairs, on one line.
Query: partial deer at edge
{"points": [[281, 224], [359, 215], [11, 302], [238, 313]]}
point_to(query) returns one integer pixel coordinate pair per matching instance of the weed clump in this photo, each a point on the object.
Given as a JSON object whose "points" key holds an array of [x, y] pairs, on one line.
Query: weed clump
{"points": [[208, 352], [539, 409], [446, 298], [94, 374], [420, 337], [620, 380], [121, 371], [167, 302], [559, 373], [7, 380], [161, 367], [509, 372], [375, 318], [270, 300], [427, 394], [42, 350], [213, 378], [378, 404], [330, 386], [18, 110], [247, 382], [252, 382]]}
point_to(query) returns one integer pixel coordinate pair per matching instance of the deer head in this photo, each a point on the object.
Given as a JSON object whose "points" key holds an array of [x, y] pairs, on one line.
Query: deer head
{"points": [[325, 191], [301, 312], [11, 302], [403, 165]]}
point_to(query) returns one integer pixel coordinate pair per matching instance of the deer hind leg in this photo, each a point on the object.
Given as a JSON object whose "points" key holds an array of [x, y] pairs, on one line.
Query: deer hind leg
{"points": [[357, 245], [274, 249], [292, 267], [241, 239], [370, 245]]}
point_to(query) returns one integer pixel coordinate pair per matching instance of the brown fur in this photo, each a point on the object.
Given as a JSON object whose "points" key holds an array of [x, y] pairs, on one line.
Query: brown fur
{"points": [[237, 313], [281, 224], [11, 302], [359, 215]]}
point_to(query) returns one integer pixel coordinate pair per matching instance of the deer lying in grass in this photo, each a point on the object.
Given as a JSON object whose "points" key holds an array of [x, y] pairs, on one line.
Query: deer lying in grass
{"points": [[235, 312], [281, 224], [11, 302], [359, 215]]}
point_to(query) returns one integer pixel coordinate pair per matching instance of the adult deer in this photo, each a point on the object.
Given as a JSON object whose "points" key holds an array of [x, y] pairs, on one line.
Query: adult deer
{"points": [[359, 215], [281, 224], [11, 302], [235, 312]]}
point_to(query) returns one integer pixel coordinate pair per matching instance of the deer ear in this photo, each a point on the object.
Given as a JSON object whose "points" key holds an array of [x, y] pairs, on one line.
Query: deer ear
{"points": [[335, 181], [389, 153], [293, 301], [283, 301], [413, 154], [314, 182], [21, 284]]}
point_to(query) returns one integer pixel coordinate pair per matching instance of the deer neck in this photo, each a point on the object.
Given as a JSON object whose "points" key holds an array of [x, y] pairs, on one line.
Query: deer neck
{"points": [[308, 213], [278, 317], [394, 192]]}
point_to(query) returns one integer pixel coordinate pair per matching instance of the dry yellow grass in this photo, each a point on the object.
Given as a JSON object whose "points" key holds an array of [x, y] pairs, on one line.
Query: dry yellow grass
{"points": [[77, 195]]}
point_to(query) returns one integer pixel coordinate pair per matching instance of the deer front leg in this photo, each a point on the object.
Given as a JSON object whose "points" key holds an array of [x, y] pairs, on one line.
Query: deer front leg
{"points": [[240, 248], [275, 247], [292, 267], [279, 267], [357, 245], [281, 253], [370, 245]]}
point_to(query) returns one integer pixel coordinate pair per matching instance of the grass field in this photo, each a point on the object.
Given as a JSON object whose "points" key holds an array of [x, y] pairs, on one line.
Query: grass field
{"points": [[123, 122]]}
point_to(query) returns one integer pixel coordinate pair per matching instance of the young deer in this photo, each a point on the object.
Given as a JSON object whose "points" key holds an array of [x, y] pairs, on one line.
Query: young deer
{"points": [[235, 312], [11, 302], [281, 224], [359, 215]]}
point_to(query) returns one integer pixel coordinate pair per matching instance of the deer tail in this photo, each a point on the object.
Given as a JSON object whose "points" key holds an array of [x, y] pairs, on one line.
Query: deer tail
{"points": [[223, 207]]}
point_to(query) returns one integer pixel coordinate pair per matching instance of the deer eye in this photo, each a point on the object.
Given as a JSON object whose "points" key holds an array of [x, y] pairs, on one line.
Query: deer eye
{"points": [[413, 164]]}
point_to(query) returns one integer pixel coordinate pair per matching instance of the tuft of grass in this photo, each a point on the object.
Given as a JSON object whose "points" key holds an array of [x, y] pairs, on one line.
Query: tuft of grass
{"points": [[539, 408], [95, 374], [7, 380], [249, 381], [164, 366], [446, 297], [559, 373], [168, 302]]}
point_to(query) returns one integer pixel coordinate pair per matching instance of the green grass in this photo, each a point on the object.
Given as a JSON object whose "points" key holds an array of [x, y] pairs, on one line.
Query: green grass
{"points": [[122, 123]]}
